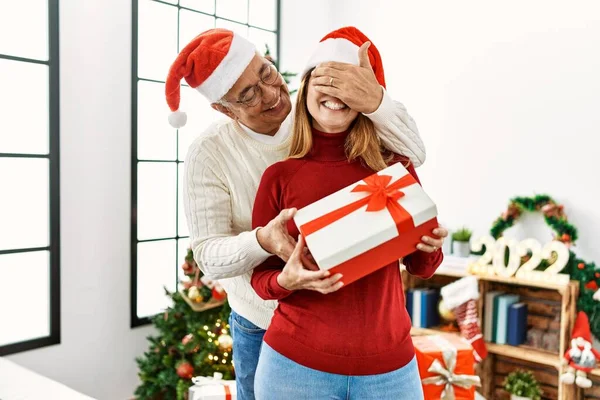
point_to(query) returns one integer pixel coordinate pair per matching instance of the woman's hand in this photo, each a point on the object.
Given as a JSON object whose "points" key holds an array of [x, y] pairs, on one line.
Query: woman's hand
{"points": [[355, 85], [429, 244], [295, 276]]}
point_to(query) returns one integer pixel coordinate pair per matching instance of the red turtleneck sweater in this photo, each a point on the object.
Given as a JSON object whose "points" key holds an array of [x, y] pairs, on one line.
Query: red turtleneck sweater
{"points": [[362, 329]]}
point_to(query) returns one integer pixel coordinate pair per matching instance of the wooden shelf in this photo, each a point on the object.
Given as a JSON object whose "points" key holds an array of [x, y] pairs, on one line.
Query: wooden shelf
{"points": [[514, 281], [450, 271], [555, 299], [519, 353], [525, 354], [547, 298]]}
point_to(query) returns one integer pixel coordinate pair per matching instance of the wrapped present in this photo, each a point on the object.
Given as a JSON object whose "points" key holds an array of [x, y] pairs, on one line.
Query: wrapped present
{"points": [[369, 224], [212, 388], [446, 367]]}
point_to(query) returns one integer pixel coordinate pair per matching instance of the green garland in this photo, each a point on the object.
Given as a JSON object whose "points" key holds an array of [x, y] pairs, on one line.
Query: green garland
{"points": [[578, 269]]}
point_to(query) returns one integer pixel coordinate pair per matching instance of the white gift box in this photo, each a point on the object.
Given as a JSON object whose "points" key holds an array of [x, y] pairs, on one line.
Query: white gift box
{"points": [[369, 224], [215, 388]]}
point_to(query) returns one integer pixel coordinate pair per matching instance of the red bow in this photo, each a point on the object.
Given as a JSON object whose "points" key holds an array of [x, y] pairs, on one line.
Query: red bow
{"points": [[383, 194]]}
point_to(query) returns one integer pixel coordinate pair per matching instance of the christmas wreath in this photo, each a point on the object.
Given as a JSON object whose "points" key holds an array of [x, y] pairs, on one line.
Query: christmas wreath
{"points": [[578, 269], [553, 215]]}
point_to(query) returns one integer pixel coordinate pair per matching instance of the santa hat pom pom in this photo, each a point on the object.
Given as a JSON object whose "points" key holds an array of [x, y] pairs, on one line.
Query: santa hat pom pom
{"points": [[177, 119]]}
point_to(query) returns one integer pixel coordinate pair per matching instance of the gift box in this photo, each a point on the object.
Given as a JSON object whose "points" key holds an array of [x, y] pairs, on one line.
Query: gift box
{"points": [[212, 388], [369, 224], [446, 367]]}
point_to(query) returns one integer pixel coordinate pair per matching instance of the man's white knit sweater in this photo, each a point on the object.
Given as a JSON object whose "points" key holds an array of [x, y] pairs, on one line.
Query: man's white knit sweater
{"points": [[223, 169]]}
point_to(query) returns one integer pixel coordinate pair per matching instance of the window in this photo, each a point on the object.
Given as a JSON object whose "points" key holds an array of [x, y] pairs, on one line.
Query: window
{"points": [[159, 237], [29, 174]]}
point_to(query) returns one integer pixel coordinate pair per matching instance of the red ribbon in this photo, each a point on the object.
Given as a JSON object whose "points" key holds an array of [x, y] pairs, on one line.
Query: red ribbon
{"points": [[227, 393], [383, 194]]}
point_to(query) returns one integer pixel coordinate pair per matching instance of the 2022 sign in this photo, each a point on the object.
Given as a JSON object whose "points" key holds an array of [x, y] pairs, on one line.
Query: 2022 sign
{"points": [[493, 260]]}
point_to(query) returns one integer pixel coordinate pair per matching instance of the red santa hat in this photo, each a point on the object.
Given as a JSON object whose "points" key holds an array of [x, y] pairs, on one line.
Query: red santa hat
{"points": [[582, 327], [342, 45], [211, 63]]}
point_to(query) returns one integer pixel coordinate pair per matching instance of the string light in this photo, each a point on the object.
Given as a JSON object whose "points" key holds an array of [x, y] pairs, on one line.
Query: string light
{"points": [[210, 357], [205, 327], [224, 362], [225, 354]]}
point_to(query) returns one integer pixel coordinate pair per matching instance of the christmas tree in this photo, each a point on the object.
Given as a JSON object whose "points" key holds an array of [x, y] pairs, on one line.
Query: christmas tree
{"points": [[193, 339]]}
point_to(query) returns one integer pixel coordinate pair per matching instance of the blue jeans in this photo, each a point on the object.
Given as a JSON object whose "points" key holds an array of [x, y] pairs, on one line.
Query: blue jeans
{"points": [[278, 378], [247, 341]]}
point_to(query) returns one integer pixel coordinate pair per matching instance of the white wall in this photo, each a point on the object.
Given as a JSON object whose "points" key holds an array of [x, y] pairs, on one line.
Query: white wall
{"points": [[98, 347], [506, 95]]}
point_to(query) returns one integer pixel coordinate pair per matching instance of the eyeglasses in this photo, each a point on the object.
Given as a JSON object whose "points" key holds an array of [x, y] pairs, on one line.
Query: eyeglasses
{"points": [[251, 96]]}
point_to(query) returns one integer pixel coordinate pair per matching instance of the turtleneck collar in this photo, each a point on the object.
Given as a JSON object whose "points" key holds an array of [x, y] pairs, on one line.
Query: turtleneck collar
{"points": [[328, 146]]}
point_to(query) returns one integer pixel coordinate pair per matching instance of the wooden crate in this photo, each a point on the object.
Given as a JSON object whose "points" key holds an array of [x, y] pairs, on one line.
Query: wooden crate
{"points": [[543, 310], [545, 302], [547, 376]]}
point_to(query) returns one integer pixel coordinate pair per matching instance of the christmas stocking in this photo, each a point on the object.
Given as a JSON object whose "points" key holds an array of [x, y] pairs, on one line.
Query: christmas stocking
{"points": [[461, 297]]}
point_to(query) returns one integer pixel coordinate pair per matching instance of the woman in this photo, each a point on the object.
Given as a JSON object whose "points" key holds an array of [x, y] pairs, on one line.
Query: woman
{"points": [[327, 343]]}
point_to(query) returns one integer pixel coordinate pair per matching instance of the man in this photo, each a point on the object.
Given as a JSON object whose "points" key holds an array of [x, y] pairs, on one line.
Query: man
{"points": [[224, 166]]}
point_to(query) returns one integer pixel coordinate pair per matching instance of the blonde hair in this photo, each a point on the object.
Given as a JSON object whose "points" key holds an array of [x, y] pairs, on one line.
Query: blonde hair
{"points": [[362, 142]]}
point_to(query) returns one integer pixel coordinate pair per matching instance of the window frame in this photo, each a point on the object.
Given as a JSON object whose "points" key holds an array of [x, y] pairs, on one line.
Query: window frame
{"points": [[135, 320], [54, 187]]}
